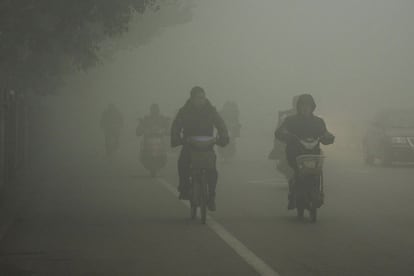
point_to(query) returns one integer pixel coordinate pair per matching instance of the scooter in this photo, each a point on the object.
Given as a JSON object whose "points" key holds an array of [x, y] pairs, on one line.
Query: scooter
{"points": [[153, 153], [309, 194]]}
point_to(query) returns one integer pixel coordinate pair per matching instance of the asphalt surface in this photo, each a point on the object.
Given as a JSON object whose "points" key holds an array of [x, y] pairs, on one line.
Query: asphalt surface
{"points": [[87, 216]]}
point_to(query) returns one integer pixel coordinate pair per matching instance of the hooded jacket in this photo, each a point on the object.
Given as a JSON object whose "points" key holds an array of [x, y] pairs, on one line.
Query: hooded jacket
{"points": [[302, 127], [192, 121]]}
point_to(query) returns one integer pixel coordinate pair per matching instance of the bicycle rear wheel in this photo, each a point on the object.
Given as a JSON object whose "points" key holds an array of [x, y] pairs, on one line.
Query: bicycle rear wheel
{"points": [[194, 195], [203, 198], [194, 198]]}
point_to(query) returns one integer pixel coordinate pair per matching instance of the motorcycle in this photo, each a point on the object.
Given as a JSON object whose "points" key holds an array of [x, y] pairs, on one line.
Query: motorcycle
{"points": [[203, 159], [153, 153], [309, 194]]}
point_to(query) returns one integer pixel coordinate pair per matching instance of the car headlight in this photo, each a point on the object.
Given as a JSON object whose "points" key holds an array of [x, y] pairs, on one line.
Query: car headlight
{"points": [[399, 140]]}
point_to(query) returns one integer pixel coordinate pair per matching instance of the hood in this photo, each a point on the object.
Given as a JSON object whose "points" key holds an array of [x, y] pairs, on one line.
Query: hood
{"points": [[189, 107], [306, 98]]}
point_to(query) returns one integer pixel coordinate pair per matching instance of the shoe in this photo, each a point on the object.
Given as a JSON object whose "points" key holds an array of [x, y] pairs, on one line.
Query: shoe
{"points": [[211, 205]]}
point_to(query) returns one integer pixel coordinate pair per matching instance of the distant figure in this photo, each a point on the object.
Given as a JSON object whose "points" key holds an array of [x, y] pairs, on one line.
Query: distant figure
{"points": [[154, 120], [111, 124], [278, 152], [230, 114], [153, 128], [198, 117]]}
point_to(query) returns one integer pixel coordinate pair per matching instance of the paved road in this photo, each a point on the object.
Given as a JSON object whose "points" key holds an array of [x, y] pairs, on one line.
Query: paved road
{"points": [[88, 217]]}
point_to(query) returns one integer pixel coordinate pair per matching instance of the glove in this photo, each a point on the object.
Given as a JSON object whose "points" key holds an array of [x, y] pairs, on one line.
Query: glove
{"points": [[328, 138]]}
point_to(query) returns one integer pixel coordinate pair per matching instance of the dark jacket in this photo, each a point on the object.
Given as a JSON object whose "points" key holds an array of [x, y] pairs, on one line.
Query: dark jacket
{"points": [[298, 126], [153, 121], [191, 121]]}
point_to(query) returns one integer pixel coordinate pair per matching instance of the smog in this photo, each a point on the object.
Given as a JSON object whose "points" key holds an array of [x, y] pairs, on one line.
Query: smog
{"points": [[222, 137]]}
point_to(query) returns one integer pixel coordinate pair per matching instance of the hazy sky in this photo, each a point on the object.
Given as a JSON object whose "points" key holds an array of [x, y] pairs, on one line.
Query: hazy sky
{"points": [[351, 55]]}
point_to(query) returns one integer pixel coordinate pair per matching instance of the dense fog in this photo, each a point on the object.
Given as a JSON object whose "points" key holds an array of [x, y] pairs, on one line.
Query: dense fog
{"points": [[354, 57], [74, 201]]}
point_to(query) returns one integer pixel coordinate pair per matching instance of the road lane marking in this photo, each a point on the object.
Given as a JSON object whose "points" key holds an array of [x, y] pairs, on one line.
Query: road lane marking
{"points": [[245, 253]]}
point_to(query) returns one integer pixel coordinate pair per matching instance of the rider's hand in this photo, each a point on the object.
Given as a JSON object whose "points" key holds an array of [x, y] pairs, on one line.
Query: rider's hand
{"points": [[328, 138]]}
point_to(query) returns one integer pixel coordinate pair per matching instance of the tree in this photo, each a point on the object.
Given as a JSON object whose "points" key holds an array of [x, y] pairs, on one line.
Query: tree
{"points": [[40, 40]]}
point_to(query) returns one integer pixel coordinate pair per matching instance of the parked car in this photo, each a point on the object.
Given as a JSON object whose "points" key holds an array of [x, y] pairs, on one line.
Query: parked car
{"points": [[390, 137]]}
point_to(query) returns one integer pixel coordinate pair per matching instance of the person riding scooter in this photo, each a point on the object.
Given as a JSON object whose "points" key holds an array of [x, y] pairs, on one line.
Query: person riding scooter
{"points": [[154, 120], [302, 125], [153, 128]]}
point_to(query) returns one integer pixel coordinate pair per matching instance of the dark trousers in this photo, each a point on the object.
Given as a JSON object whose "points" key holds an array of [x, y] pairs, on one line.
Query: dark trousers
{"points": [[184, 173], [294, 177]]}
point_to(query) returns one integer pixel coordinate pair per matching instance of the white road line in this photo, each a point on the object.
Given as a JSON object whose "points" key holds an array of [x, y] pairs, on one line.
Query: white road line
{"points": [[245, 253]]}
